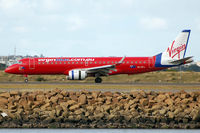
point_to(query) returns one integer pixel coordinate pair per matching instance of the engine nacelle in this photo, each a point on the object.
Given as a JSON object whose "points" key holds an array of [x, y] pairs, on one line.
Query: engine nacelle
{"points": [[77, 75]]}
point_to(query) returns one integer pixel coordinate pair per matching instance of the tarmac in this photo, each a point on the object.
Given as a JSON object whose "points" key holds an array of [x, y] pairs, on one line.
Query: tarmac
{"points": [[132, 84], [103, 87]]}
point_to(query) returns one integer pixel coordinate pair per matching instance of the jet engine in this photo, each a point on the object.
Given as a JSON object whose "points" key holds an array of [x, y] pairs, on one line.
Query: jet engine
{"points": [[77, 75]]}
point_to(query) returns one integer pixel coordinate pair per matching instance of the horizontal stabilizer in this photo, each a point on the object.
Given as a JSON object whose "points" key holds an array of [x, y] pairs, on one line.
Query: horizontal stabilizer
{"points": [[182, 61]]}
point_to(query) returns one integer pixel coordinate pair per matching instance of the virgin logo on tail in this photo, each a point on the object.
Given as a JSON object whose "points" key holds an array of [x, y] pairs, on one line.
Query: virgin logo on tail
{"points": [[175, 51]]}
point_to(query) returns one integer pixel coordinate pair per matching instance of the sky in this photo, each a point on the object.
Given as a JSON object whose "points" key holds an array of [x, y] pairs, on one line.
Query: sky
{"points": [[76, 28]]}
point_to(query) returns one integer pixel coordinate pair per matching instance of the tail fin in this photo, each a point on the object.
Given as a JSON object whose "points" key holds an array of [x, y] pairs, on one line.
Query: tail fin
{"points": [[176, 51]]}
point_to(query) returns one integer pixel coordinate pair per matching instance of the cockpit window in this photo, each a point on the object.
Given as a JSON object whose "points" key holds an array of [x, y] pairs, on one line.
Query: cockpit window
{"points": [[19, 62], [14, 62]]}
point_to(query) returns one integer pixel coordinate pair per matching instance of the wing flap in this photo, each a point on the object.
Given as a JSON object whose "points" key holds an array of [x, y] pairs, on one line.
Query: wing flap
{"points": [[104, 70]]}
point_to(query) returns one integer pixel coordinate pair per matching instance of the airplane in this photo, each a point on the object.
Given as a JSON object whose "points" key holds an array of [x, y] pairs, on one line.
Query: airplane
{"points": [[79, 68]]}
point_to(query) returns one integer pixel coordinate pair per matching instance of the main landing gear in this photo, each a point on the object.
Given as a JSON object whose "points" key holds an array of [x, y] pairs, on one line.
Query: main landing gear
{"points": [[26, 78], [98, 80]]}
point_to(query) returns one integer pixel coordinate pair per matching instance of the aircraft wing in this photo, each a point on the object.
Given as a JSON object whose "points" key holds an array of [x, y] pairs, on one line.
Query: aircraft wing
{"points": [[181, 61], [104, 70]]}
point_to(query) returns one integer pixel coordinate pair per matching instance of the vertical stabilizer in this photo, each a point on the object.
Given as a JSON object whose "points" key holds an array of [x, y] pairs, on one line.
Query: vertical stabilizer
{"points": [[177, 49]]}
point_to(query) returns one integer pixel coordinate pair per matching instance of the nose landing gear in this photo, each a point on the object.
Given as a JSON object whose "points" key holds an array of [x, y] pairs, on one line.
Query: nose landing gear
{"points": [[26, 78]]}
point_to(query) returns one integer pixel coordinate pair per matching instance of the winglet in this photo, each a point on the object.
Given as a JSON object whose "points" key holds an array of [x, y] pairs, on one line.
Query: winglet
{"points": [[120, 62]]}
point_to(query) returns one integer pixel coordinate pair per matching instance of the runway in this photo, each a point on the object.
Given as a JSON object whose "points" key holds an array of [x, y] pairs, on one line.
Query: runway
{"points": [[113, 87], [121, 84]]}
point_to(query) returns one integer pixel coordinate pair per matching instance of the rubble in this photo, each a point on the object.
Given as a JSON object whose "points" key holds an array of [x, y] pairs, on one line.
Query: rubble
{"points": [[85, 109]]}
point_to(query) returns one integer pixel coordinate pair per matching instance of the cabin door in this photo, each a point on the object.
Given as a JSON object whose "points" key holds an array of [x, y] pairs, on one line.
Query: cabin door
{"points": [[31, 63], [151, 63]]}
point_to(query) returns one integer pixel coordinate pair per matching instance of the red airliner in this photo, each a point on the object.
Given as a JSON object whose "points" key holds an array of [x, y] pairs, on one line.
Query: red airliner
{"points": [[79, 68]]}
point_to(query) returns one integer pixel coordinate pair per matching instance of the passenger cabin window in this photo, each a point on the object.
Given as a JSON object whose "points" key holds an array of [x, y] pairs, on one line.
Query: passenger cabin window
{"points": [[43, 62], [127, 62], [76, 62], [51, 62], [68, 62], [55, 62], [38, 62], [131, 62]]}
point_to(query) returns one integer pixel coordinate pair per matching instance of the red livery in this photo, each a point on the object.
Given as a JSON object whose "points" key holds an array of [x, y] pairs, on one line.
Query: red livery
{"points": [[79, 68]]}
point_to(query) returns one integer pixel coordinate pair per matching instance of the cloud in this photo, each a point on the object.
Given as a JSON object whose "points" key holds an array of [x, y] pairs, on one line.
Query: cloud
{"points": [[7, 4], [153, 23], [198, 26], [197, 21], [52, 4], [127, 3], [20, 29], [75, 23], [17, 8], [1, 29]]}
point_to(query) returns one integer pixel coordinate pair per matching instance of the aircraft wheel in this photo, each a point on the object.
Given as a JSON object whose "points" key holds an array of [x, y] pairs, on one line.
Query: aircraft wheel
{"points": [[98, 80], [26, 80]]}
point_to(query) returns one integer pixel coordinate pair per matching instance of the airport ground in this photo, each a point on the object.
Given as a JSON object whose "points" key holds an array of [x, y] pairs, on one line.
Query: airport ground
{"points": [[151, 77], [162, 80], [150, 100]]}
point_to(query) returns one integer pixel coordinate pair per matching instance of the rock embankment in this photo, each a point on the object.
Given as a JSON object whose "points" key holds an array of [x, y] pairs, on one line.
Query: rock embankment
{"points": [[86, 109]]}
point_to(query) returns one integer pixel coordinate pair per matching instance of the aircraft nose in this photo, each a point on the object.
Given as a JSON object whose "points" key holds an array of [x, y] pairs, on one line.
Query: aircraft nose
{"points": [[8, 70], [11, 69]]}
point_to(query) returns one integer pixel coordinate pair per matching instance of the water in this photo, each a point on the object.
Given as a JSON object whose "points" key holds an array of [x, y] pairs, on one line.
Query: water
{"points": [[98, 131]]}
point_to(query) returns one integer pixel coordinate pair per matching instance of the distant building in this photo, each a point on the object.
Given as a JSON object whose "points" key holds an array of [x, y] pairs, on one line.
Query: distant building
{"points": [[12, 59]]}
